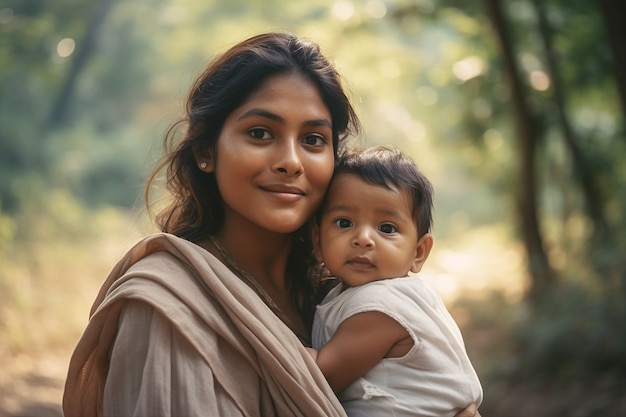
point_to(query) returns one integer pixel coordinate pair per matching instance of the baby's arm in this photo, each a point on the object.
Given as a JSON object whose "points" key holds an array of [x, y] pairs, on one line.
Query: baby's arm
{"points": [[356, 347], [359, 343], [312, 352]]}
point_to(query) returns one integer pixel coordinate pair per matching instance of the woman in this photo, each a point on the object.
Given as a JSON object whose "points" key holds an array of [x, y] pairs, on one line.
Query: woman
{"points": [[212, 316]]}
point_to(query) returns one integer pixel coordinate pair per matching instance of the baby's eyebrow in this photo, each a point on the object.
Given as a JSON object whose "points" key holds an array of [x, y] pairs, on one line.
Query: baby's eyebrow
{"points": [[391, 213], [343, 207]]}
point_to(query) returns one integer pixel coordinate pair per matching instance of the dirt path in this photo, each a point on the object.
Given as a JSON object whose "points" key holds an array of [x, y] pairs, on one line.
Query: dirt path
{"points": [[32, 385]]}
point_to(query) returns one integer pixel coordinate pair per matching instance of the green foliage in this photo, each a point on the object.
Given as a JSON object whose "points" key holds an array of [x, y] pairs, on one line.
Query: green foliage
{"points": [[31, 76], [103, 169], [564, 355], [571, 333]]}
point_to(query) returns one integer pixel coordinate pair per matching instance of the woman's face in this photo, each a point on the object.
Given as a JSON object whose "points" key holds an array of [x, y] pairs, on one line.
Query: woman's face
{"points": [[274, 157]]}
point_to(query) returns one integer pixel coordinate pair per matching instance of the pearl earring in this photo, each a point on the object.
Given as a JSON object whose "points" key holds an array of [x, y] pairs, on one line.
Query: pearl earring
{"points": [[203, 165]]}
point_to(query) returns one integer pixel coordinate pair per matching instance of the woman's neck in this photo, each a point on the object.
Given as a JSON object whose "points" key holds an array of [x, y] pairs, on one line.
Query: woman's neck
{"points": [[261, 257], [260, 253]]}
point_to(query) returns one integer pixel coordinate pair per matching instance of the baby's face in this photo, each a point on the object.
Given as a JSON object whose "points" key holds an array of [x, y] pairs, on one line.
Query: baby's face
{"points": [[367, 232]]}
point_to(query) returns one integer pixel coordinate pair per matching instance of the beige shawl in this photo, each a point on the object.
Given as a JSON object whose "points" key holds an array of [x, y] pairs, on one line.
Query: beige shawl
{"points": [[173, 331]]}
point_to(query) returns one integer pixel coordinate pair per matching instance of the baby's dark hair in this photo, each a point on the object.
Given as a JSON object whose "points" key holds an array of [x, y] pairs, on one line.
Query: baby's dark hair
{"points": [[388, 167]]}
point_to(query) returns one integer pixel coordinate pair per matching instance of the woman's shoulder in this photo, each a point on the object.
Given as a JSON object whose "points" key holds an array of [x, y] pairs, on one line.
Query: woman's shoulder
{"points": [[160, 260], [166, 246], [159, 241]]}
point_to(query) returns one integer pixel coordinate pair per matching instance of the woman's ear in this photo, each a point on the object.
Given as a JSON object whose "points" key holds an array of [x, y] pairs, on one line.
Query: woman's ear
{"points": [[424, 245], [205, 159]]}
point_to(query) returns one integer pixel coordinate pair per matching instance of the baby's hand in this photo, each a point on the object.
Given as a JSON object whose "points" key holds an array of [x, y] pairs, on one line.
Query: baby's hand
{"points": [[469, 411]]}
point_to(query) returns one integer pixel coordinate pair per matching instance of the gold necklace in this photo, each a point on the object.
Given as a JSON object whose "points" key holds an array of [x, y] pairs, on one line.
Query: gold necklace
{"points": [[256, 287]]}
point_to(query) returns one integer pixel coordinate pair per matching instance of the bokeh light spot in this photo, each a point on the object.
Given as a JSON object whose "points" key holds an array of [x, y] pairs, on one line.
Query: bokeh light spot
{"points": [[468, 68], [66, 47], [539, 80], [376, 9], [343, 10]]}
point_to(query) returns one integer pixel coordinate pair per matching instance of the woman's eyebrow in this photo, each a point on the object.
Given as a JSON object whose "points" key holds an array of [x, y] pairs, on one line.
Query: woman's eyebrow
{"points": [[318, 122], [277, 118], [262, 113]]}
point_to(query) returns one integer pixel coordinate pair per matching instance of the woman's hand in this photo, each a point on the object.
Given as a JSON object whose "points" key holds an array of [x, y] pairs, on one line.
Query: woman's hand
{"points": [[469, 411]]}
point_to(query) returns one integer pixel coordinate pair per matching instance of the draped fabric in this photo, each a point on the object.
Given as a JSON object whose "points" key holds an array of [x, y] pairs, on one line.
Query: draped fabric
{"points": [[174, 332]]}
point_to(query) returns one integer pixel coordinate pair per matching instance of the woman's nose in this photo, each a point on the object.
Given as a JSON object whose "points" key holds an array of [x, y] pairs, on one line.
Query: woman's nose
{"points": [[287, 159]]}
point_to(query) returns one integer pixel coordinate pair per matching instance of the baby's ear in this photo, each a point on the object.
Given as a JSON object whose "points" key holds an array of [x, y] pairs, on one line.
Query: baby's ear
{"points": [[422, 250], [315, 236], [205, 158]]}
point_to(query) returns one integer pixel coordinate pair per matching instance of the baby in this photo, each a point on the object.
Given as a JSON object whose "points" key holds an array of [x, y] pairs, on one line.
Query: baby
{"points": [[385, 340]]}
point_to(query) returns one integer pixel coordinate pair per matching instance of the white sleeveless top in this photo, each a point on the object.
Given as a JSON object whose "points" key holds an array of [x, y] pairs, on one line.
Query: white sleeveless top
{"points": [[436, 377]]}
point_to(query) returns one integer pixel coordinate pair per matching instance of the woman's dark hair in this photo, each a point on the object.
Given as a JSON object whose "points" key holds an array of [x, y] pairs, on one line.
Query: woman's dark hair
{"points": [[195, 210]]}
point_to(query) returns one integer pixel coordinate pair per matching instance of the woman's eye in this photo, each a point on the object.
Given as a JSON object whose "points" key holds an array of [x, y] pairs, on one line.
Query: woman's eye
{"points": [[258, 133], [343, 223], [314, 140], [387, 228]]}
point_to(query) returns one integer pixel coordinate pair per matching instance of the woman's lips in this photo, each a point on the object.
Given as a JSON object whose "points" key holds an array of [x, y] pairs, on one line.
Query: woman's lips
{"points": [[284, 192]]}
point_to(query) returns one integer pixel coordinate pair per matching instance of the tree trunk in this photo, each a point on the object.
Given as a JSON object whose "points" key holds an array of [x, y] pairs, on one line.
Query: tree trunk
{"points": [[614, 12], [58, 114], [582, 171], [542, 275]]}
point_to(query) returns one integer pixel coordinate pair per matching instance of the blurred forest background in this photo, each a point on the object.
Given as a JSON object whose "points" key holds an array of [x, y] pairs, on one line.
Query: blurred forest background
{"points": [[514, 108]]}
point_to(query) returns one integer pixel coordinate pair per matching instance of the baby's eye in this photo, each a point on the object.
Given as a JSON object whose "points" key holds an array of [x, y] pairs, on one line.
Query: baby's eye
{"points": [[387, 228], [259, 133], [343, 223], [313, 140]]}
